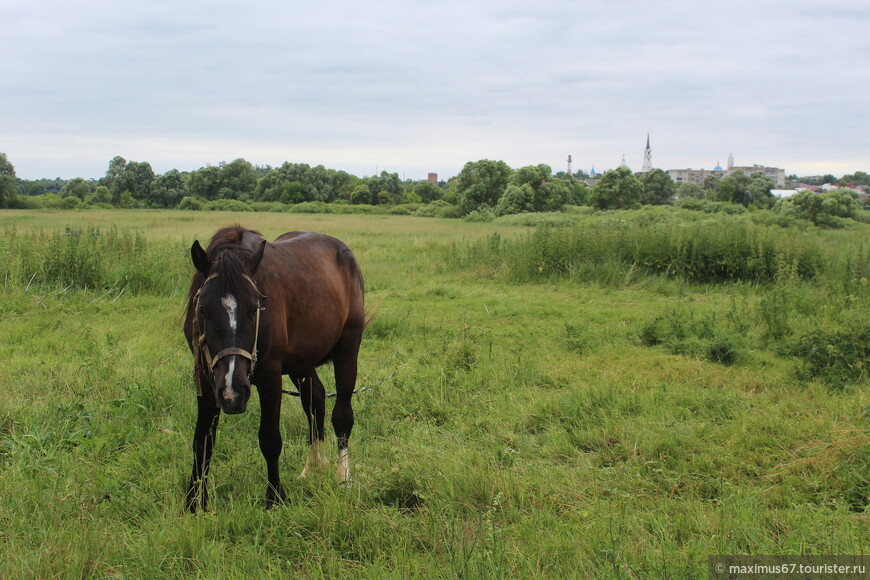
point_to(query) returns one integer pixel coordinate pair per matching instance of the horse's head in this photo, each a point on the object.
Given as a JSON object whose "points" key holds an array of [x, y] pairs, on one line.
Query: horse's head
{"points": [[227, 321]]}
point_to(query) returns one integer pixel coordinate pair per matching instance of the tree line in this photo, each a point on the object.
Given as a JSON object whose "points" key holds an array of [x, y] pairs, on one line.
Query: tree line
{"points": [[483, 189]]}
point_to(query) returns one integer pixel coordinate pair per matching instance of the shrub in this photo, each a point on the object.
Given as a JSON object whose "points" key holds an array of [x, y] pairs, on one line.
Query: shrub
{"points": [[426, 211], [309, 207], [190, 203], [227, 205], [268, 206], [836, 357], [482, 214]]}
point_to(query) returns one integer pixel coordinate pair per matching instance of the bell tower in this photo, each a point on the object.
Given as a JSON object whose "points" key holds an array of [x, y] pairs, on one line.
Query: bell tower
{"points": [[647, 157]]}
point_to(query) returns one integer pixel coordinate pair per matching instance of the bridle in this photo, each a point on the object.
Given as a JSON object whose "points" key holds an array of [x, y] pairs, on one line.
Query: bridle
{"points": [[201, 352]]}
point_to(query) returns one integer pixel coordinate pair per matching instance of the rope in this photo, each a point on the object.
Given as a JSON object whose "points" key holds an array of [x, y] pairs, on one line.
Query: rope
{"points": [[333, 395]]}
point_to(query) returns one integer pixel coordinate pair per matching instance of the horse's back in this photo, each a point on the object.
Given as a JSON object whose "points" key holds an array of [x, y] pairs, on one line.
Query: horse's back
{"points": [[317, 250]]}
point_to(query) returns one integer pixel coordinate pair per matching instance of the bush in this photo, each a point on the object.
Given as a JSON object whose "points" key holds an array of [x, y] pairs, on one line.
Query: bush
{"points": [[551, 219], [227, 205], [268, 206], [482, 214], [837, 357], [707, 206], [426, 211], [190, 203]]}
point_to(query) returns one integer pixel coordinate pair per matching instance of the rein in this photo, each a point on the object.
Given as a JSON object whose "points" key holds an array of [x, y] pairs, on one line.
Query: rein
{"points": [[201, 352]]}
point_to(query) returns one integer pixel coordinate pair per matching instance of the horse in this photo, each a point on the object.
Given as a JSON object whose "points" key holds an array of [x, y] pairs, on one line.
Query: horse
{"points": [[257, 311]]}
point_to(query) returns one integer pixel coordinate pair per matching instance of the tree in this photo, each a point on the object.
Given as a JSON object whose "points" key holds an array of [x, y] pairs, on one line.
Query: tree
{"points": [[481, 183], [132, 176], [167, 190], [821, 208], [428, 191], [294, 192], [237, 179], [7, 181], [658, 187], [579, 193], [76, 187], [759, 190], [318, 184], [857, 178], [102, 195], [745, 190], [115, 170], [361, 195], [386, 188], [690, 189], [516, 199], [549, 193], [711, 183], [617, 189], [734, 189], [205, 183]]}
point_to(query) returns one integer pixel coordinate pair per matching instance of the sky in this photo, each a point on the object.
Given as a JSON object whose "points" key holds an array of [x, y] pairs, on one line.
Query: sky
{"points": [[419, 86]]}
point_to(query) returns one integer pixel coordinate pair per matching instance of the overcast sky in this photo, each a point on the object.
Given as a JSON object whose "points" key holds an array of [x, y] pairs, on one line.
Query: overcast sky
{"points": [[414, 86]]}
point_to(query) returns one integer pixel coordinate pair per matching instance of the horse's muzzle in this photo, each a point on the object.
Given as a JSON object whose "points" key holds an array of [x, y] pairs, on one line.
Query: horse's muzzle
{"points": [[231, 385], [234, 401]]}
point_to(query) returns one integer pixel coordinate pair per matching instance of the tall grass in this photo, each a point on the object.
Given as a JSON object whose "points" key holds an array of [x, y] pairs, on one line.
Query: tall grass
{"points": [[91, 258], [713, 251]]}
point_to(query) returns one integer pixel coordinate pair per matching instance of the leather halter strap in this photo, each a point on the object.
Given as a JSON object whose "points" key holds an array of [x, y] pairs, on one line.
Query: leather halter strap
{"points": [[202, 354]]}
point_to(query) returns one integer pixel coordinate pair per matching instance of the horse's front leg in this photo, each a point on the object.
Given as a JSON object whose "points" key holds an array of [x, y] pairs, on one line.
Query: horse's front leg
{"points": [[208, 414], [270, 436]]}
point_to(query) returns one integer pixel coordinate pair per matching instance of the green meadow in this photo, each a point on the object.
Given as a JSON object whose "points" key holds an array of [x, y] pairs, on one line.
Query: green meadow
{"points": [[581, 395]]}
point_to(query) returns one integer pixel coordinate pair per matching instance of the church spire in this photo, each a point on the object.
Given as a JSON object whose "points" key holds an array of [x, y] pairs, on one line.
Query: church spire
{"points": [[647, 157]]}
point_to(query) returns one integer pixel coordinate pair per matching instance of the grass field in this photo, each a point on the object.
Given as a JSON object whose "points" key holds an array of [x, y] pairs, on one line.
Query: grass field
{"points": [[533, 414]]}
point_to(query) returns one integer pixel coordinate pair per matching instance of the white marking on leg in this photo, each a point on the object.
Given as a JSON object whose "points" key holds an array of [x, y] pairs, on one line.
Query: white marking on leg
{"points": [[343, 469], [316, 459], [231, 306]]}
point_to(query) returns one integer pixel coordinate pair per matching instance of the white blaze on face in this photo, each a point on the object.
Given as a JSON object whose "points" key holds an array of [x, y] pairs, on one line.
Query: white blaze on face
{"points": [[231, 306], [229, 394]]}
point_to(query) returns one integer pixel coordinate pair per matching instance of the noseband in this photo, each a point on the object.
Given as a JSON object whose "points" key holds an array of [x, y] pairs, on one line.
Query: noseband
{"points": [[201, 352]]}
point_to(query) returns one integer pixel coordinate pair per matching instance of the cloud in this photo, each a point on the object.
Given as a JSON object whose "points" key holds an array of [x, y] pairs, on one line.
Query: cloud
{"points": [[413, 86]]}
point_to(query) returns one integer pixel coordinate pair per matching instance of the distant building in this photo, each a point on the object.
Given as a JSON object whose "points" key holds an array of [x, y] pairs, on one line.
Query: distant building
{"points": [[775, 174], [432, 178], [698, 176], [647, 158]]}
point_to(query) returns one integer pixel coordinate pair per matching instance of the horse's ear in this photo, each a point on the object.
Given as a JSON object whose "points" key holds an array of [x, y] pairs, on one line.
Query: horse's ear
{"points": [[199, 257], [253, 261]]}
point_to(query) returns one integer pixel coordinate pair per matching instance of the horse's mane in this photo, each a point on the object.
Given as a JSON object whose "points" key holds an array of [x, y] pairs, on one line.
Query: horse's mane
{"points": [[227, 254]]}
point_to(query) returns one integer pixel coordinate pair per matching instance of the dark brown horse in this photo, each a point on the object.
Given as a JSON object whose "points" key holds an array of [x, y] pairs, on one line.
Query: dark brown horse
{"points": [[258, 310]]}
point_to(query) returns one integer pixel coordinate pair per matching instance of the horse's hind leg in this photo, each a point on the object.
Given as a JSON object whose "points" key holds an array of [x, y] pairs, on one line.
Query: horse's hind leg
{"points": [[345, 363], [313, 396]]}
